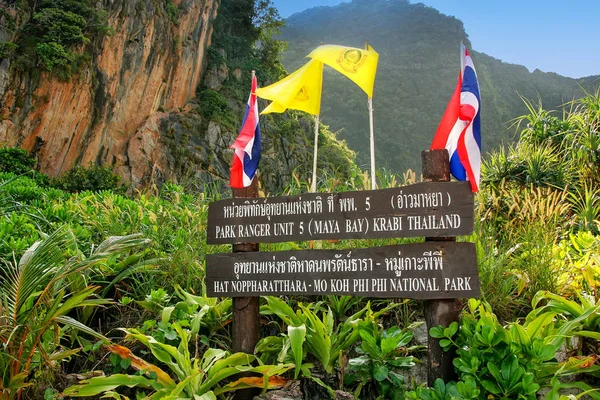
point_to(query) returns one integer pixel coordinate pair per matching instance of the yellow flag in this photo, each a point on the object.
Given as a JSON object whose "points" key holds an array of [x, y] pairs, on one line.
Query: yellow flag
{"points": [[358, 65], [301, 90], [274, 107]]}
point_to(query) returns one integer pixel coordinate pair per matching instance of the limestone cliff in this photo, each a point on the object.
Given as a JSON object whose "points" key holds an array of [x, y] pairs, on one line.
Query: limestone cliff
{"points": [[147, 64]]}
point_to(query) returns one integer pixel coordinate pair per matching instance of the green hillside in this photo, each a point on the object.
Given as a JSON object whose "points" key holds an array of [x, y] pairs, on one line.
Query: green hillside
{"points": [[418, 67]]}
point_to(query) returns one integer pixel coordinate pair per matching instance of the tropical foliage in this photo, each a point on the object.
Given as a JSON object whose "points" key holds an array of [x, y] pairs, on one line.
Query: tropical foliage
{"points": [[118, 281], [102, 292]]}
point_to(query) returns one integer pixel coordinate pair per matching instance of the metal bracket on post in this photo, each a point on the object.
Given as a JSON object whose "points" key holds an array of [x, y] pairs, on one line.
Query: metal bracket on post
{"points": [[436, 168]]}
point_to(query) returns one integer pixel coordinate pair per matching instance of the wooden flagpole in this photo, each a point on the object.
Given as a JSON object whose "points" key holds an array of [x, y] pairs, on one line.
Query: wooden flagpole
{"points": [[245, 311], [436, 168], [313, 187]]}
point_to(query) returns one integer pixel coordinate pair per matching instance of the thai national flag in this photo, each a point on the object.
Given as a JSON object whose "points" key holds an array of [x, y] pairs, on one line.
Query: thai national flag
{"points": [[247, 145], [460, 128]]}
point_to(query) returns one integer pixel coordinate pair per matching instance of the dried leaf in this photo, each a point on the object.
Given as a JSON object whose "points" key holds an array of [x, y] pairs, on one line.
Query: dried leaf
{"points": [[274, 382], [140, 364]]}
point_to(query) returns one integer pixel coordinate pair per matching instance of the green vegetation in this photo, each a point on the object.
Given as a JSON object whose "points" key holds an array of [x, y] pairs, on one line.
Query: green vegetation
{"points": [[172, 11], [514, 361], [111, 287], [15, 160], [536, 328], [93, 178], [54, 32]]}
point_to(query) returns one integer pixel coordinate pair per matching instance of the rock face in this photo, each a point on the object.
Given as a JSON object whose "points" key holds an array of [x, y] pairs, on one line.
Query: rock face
{"points": [[110, 112]]}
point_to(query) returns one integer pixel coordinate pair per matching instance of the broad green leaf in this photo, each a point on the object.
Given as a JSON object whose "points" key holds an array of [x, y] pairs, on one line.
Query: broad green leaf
{"points": [[166, 313], [440, 387], [206, 396], [380, 372], [557, 303], [437, 332], [533, 327], [496, 373], [236, 359], [593, 335], [283, 311], [210, 357], [297, 336], [519, 333], [78, 325], [101, 384], [397, 379], [402, 362], [184, 385], [391, 341], [369, 344], [490, 386], [197, 319], [358, 361], [511, 371], [451, 329]]}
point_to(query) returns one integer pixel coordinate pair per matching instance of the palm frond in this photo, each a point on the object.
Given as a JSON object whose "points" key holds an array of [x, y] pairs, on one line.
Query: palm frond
{"points": [[35, 270]]}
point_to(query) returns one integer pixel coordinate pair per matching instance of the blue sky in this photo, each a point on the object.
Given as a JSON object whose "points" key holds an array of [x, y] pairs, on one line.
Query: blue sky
{"points": [[559, 36]]}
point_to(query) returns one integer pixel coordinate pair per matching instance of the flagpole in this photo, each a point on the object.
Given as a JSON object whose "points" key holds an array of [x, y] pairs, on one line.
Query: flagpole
{"points": [[372, 142], [371, 136], [313, 187]]}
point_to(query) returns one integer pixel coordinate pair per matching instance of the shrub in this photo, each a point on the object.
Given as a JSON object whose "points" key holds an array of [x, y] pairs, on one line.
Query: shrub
{"points": [[7, 49], [18, 162], [15, 160], [95, 178], [172, 11], [53, 55], [56, 36], [212, 104], [514, 361]]}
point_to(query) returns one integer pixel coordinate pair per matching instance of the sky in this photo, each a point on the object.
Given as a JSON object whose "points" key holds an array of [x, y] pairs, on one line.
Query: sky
{"points": [[561, 36]]}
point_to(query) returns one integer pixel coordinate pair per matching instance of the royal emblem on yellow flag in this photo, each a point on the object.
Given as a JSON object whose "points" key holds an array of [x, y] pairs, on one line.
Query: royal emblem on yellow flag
{"points": [[360, 66], [301, 90]]}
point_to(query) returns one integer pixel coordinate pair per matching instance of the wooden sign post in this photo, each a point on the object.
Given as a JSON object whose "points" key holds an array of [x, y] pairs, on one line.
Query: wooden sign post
{"points": [[436, 168], [245, 324]]}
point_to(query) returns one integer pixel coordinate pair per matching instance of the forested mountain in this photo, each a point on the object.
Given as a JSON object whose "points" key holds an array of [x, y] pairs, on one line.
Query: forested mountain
{"points": [[418, 67]]}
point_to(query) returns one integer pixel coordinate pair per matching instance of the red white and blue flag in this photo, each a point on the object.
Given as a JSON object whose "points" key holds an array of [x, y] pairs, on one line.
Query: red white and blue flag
{"points": [[247, 145], [460, 128]]}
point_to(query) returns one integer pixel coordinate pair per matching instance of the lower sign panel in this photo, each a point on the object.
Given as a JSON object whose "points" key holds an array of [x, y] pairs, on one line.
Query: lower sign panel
{"points": [[430, 270]]}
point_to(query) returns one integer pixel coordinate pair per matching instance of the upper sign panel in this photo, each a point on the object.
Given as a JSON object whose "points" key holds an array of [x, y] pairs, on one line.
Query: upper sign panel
{"points": [[429, 209]]}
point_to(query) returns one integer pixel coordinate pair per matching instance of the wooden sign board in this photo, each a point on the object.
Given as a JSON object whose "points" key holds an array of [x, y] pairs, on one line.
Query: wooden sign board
{"points": [[430, 270], [429, 209]]}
